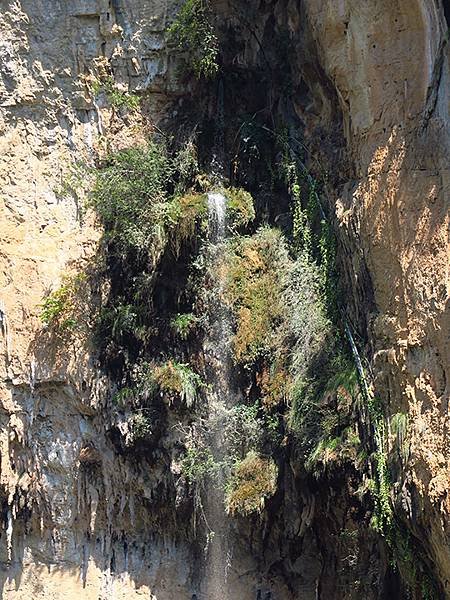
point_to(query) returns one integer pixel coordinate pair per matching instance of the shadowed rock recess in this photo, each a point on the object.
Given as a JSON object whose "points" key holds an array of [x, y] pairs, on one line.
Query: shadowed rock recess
{"points": [[224, 325]]}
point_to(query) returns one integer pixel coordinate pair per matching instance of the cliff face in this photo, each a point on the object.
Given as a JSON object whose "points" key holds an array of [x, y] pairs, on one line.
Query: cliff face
{"points": [[389, 66], [371, 89]]}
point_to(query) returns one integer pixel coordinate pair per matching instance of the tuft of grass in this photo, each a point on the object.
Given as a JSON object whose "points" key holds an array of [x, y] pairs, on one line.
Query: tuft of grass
{"points": [[178, 379]]}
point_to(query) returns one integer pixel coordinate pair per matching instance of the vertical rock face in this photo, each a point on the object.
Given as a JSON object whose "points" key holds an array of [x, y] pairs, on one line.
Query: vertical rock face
{"points": [[389, 65], [53, 492], [75, 513]]}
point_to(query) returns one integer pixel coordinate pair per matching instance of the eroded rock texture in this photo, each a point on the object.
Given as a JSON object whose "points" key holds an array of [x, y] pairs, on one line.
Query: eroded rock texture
{"points": [[371, 81], [389, 66]]}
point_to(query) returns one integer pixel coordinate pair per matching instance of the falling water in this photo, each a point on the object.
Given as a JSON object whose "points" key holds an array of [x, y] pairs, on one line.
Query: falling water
{"points": [[216, 213], [217, 348]]}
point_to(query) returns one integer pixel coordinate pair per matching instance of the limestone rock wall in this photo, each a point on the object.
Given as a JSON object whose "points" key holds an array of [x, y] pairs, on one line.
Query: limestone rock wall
{"points": [[71, 529], [389, 65], [50, 391]]}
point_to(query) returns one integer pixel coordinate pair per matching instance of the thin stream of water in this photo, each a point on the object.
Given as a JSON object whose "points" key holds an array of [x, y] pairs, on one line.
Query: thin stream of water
{"points": [[218, 558]]}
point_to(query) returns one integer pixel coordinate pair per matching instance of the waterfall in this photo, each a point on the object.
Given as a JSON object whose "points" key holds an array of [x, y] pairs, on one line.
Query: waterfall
{"points": [[217, 350], [216, 216]]}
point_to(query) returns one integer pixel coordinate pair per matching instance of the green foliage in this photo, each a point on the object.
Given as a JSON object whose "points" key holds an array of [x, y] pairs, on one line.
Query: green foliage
{"points": [[183, 325], [141, 386], [178, 379], [193, 33], [321, 409], [383, 517], [333, 452], [243, 430], [140, 426], [118, 321], [134, 196], [409, 561], [308, 330], [59, 311], [130, 196], [253, 481], [198, 465], [117, 98], [187, 168]]}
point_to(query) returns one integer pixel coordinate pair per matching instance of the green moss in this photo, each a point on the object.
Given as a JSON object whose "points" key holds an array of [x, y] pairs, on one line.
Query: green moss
{"points": [[253, 272], [254, 481], [240, 207]]}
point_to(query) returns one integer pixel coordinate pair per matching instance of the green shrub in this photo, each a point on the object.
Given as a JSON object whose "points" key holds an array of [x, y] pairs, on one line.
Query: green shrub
{"points": [[198, 465], [240, 207], [140, 427], [193, 33], [134, 196], [253, 481], [129, 196], [308, 331], [116, 97], [243, 430], [118, 321]]}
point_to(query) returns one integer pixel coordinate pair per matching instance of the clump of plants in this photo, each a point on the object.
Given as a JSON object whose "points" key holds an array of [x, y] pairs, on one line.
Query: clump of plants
{"points": [[178, 379], [141, 387], [198, 465], [190, 213], [130, 198], [332, 452], [183, 324], [253, 272], [140, 427], [60, 310], [240, 207], [117, 97], [254, 480], [193, 33]]}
